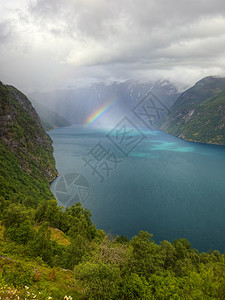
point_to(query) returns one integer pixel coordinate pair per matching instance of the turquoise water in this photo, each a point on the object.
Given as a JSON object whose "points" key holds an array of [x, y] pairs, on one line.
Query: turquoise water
{"points": [[167, 186]]}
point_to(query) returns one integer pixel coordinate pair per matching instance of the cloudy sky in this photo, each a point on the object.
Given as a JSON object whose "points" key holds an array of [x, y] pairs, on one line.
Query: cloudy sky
{"points": [[48, 44]]}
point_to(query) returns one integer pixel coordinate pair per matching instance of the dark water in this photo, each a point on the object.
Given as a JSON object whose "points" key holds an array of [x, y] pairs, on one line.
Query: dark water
{"points": [[169, 187]]}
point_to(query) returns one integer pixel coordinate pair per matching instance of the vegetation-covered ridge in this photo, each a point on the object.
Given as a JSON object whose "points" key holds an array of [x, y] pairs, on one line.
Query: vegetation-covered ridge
{"points": [[198, 115], [27, 164]]}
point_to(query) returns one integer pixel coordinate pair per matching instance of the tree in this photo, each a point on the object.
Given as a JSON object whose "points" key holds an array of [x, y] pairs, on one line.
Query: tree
{"points": [[41, 245], [135, 287], [53, 213], [16, 214], [101, 281], [22, 234], [74, 252], [146, 258]]}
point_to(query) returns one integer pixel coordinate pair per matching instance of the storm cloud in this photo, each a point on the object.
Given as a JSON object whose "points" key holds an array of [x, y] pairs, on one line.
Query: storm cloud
{"points": [[48, 44]]}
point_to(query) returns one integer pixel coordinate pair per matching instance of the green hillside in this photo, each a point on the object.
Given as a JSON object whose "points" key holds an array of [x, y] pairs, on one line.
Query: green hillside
{"points": [[48, 252], [199, 113], [27, 164]]}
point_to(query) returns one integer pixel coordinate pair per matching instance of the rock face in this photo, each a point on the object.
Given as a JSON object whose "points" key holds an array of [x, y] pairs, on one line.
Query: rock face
{"points": [[199, 113], [25, 103], [23, 135]]}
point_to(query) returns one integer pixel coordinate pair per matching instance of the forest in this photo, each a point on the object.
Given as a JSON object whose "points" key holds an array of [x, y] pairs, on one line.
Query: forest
{"points": [[54, 252]]}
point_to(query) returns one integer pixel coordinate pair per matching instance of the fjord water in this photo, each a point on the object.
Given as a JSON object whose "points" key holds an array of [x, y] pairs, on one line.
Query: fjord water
{"points": [[166, 186]]}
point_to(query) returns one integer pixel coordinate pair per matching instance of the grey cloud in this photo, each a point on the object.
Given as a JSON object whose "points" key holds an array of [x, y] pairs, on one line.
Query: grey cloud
{"points": [[5, 32], [138, 27], [95, 17], [108, 39]]}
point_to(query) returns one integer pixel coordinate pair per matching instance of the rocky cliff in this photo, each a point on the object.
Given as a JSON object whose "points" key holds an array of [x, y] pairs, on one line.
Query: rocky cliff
{"points": [[199, 113], [26, 151]]}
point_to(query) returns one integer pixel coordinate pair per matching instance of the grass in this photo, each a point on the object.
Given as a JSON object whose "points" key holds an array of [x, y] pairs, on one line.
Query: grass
{"points": [[26, 278], [2, 231], [57, 236]]}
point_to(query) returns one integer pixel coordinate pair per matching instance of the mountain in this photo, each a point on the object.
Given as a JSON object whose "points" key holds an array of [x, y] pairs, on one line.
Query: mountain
{"points": [[49, 119], [76, 105], [27, 164], [47, 252], [199, 113]]}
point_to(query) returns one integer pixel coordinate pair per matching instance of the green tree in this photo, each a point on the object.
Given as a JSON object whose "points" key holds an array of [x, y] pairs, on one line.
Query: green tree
{"points": [[135, 287], [22, 234], [74, 252], [53, 213], [41, 245], [101, 281], [146, 258], [78, 221], [16, 214]]}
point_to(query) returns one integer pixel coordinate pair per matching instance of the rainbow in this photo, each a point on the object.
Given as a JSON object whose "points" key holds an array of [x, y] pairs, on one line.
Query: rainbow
{"points": [[98, 113]]}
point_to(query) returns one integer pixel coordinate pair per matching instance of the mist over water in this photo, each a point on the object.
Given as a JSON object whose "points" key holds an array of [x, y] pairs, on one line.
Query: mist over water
{"points": [[166, 186]]}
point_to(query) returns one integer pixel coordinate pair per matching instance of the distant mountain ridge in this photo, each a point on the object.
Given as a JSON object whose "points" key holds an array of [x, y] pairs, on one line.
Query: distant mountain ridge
{"points": [[50, 119], [199, 113], [78, 104]]}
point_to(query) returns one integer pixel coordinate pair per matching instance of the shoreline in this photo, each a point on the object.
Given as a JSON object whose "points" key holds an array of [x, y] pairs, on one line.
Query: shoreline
{"points": [[193, 141]]}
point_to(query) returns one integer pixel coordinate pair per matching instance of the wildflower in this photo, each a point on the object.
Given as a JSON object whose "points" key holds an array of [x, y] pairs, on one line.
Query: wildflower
{"points": [[26, 287]]}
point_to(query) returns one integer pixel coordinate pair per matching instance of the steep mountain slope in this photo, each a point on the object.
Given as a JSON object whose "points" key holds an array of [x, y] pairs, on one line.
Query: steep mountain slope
{"points": [[76, 105], [199, 113], [27, 164], [49, 119]]}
